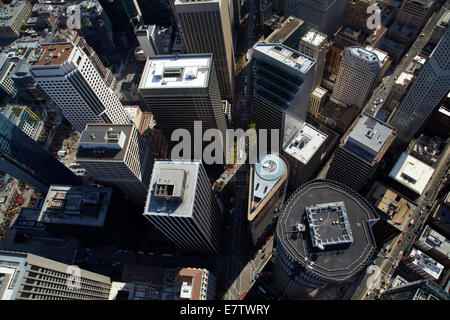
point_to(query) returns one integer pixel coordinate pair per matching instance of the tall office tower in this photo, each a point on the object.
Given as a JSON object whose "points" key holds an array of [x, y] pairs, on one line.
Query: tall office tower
{"points": [[26, 160], [416, 290], [415, 13], [25, 276], [360, 151], [156, 12], [237, 13], [125, 15], [117, 155], [314, 45], [357, 14], [304, 154], [326, 16], [439, 30], [317, 100], [398, 90], [179, 90], [206, 29], [267, 189], [67, 75], [7, 87], [289, 33], [181, 204], [307, 254], [147, 37], [13, 16], [430, 86], [282, 84], [356, 78]]}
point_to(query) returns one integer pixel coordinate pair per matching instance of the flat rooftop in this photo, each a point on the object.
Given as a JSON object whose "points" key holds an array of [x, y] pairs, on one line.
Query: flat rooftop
{"points": [[172, 188], [176, 71], [338, 261], [404, 78], [412, 173], [107, 142], [54, 54], [305, 143], [286, 55], [363, 54], [319, 92], [314, 37], [287, 28], [427, 264], [368, 138], [433, 239], [76, 205], [382, 56]]}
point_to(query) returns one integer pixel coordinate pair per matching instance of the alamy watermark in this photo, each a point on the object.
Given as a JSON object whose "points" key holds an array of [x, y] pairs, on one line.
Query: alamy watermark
{"points": [[374, 20], [74, 280]]}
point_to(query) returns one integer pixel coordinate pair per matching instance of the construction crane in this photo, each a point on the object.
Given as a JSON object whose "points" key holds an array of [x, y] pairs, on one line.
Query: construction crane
{"points": [[15, 209]]}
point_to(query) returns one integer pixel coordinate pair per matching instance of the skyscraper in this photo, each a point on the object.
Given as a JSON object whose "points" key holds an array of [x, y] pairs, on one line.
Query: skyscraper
{"points": [[117, 155], [25, 276], [326, 16], [156, 12], [26, 160], [179, 90], [181, 204], [415, 13], [282, 84], [430, 86], [360, 151], [289, 33], [206, 29], [314, 45], [356, 78], [67, 75]]}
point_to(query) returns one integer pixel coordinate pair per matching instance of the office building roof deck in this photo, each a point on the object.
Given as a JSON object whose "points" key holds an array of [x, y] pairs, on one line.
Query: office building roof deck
{"points": [[340, 259], [404, 78], [305, 143], [427, 264], [382, 56], [435, 240], [53, 54], [368, 138], [363, 54], [76, 205], [314, 37], [286, 29], [286, 55], [172, 189], [176, 71], [411, 172], [105, 142]]}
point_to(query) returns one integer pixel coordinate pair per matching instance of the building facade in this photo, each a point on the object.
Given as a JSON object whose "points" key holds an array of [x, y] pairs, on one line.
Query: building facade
{"points": [[314, 45]]}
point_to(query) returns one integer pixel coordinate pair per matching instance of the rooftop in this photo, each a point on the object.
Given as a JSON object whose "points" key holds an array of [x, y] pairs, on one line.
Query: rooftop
{"points": [[314, 37], [305, 143], [427, 264], [443, 22], [432, 239], [53, 54], [363, 54], [411, 172], [368, 138], [286, 55], [10, 11], [287, 28], [404, 78], [383, 57], [176, 71], [172, 188], [104, 141], [341, 258], [76, 205]]}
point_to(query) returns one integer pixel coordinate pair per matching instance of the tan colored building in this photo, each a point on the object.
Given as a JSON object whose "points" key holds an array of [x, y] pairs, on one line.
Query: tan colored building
{"points": [[415, 13], [316, 100], [12, 17], [207, 29], [314, 45]]}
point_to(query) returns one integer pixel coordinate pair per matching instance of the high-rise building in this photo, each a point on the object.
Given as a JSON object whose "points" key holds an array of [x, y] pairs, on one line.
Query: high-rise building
{"points": [[314, 45], [125, 15], [317, 100], [422, 266], [24, 118], [323, 237], [430, 86], [435, 245], [417, 290], [398, 90], [304, 153], [179, 90], [12, 18], [360, 151], [6, 83], [356, 78], [67, 75], [26, 160], [25, 276], [267, 189], [206, 29], [148, 40], [282, 84], [181, 204], [117, 155], [326, 16], [289, 33], [415, 13], [156, 12]]}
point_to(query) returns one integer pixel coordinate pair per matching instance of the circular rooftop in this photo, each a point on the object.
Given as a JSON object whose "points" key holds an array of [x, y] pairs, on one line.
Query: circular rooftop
{"points": [[270, 167], [325, 228]]}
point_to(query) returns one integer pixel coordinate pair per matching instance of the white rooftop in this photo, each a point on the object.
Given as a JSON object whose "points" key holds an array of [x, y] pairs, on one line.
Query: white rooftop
{"points": [[412, 173], [176, 71], [404, 78], [382, 56], [432, 239], [319, 92], [286, 55], [305, 143], [363, 53], [314, 37], [427, 264]]}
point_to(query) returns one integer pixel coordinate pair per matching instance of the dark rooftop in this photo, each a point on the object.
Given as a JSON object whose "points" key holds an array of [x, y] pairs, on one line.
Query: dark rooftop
{"points": [[339, 259]]}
